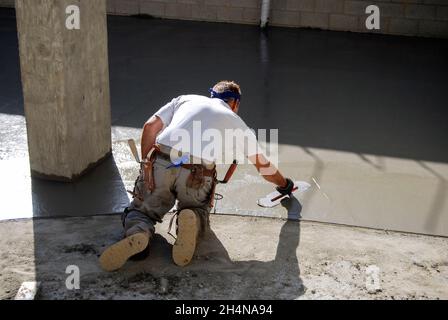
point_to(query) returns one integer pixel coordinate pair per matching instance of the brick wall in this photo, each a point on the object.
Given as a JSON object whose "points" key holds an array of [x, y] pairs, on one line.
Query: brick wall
{"points": [[428, 18]]}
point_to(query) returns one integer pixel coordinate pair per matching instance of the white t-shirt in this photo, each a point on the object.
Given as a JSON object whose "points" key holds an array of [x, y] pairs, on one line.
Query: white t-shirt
{"points": [[206, 128]]}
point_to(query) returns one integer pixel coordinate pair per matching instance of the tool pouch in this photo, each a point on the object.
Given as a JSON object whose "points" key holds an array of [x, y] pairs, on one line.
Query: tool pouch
{"points": [[148, 175], [136, 193], [148, 168], [196, 178]]}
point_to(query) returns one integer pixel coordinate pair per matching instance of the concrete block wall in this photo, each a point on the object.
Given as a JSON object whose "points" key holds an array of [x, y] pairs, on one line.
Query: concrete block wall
{"points": [[7, 3], [428, 18], [234, 11]]}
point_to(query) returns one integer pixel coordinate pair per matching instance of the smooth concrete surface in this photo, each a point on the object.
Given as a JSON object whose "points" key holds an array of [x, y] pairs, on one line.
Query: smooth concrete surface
{"points": [[99, 192], [361, 118], [369, 191], [404, 195], [65, 82], [375, 94]]}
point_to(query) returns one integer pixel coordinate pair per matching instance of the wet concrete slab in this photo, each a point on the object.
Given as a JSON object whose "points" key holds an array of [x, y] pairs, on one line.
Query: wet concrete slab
{"points": [[360, 117], [406, 195], [383, 193], [100, 192], [374, 94]]}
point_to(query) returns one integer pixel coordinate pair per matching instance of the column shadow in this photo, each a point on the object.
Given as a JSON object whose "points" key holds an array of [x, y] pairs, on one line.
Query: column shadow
{"points": [[64, 224], [101, 191]]}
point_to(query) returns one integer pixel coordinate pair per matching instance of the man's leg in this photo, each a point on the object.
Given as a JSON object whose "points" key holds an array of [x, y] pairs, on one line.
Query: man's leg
{"points": [[115, 256], [135, 222], [139, 222], [193, 219]]}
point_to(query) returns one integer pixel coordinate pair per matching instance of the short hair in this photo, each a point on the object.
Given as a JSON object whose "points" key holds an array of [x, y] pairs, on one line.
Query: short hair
{"points": [[226, 85]]}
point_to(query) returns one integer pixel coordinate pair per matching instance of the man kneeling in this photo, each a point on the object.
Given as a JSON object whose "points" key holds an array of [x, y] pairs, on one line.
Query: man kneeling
{"points": [[169, 173]]}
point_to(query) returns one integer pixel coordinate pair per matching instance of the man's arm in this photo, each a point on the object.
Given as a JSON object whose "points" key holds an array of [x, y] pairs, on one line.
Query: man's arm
{"points": [[151, 129], [268, 170]]}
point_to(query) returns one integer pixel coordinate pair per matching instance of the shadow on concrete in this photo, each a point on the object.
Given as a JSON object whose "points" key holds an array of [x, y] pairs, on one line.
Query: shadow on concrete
{"points": [[379, 164], [11, 99], [60, 242], [101, 191], [276, 279]]}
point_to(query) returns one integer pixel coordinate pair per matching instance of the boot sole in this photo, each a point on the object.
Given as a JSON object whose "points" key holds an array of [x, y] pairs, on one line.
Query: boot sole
{"points": [[185, 245], [117, 254]]}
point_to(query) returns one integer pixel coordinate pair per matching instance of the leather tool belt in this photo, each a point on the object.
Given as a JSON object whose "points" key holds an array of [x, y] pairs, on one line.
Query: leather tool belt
{"points": [[195, 179]]}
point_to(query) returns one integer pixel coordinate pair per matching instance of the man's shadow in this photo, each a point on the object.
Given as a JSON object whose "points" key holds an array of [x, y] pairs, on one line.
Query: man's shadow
{"points": [[276, 279]]}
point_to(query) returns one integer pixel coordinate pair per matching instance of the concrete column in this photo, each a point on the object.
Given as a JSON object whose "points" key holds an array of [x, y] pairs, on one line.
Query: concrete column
{"points": [[65, 79]]}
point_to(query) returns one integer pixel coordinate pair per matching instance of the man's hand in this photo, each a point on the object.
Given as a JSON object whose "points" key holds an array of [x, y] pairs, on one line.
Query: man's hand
{"points": [[286, 189]]}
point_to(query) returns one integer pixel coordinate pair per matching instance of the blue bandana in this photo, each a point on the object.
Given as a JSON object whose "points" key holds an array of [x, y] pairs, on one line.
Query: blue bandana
{"points": [[225, 95]]}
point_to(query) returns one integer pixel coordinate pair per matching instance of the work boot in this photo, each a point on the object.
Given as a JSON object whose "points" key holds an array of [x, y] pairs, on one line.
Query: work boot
{"points": [[188, 225], [115, 256], [141, 255]]}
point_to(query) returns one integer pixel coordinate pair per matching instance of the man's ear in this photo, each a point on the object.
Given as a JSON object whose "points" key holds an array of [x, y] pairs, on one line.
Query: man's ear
{"points": [[237, 105], [234, 105]]}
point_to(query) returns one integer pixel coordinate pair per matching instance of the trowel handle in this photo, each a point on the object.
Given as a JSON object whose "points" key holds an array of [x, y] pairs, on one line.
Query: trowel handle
{"points": [[283, 195], [230, 172], [134, 151]]}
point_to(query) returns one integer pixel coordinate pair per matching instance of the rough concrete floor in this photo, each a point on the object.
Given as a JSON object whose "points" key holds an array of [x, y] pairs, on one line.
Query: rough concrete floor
{"points": [[243, 258]]}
